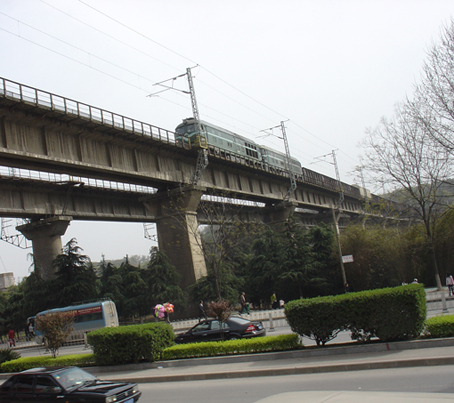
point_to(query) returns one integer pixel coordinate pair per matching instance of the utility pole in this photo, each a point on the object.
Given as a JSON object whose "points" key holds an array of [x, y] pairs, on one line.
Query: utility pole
{"points": [[202, 156], [337, 207], [288, 164]]}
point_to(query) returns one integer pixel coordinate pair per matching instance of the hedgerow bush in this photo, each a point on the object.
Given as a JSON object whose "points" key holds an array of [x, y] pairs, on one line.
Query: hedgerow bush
{"points": [[439, 326], [130, 344], [21, 364], [319, 319], [8, 354], [230, 347], [389, 314]]}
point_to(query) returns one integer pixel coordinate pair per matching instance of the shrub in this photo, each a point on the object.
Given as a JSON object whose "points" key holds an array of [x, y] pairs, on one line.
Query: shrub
{"points": [[230, 347], [7, 354], [130, 344], [440, 326], [21, 364], [319, 319], [389, 314]]}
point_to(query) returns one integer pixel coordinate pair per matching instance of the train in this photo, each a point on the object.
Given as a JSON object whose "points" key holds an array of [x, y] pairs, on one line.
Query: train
{"points": [[234, 147]]}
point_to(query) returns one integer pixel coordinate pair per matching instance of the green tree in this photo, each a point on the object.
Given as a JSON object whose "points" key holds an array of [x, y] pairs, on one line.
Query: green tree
{"points": [[135, 291], [322, 240], [163, 281], [111, 284], [13, 313], [381, 257], [75, 278]]}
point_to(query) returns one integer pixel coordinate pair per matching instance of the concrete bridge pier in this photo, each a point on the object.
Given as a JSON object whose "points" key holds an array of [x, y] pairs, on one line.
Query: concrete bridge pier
{"points": [[276, 216], [177, 228], [46, 236]]}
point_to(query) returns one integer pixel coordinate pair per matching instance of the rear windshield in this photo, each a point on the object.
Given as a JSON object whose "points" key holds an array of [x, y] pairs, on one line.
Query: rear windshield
{"points": [[240, 321]]}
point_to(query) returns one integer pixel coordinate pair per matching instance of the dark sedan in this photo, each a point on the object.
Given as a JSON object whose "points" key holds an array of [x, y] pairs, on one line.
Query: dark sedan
{"points": [[69, 384], [214, 330]]}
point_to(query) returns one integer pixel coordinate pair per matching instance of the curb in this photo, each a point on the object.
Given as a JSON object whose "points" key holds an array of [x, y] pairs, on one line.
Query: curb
{"points": [[118, 372], [312, 351], [290, 370]]}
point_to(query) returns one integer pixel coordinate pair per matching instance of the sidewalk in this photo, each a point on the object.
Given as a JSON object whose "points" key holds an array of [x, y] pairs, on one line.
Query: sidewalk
{"points": [[310, 360]]}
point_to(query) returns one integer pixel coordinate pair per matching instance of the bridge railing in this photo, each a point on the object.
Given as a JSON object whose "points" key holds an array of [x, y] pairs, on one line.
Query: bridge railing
{"points": [[47, 100]]}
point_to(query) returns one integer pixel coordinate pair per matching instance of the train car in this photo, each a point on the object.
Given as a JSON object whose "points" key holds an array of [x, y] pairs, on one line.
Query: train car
{"points": [[276, 161], [87, 316], [217, 139]]}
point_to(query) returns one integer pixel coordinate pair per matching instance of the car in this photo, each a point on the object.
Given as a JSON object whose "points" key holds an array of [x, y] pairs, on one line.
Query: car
{"points": [[65, 384], [214, 330]]}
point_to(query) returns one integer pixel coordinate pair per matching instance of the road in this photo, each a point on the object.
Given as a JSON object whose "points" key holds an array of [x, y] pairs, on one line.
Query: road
{"points": [[248, 390]]}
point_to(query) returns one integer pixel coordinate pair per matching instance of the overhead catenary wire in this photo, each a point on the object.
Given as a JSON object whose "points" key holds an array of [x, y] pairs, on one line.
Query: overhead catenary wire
{"points": [[300, 152], [194, 62]]}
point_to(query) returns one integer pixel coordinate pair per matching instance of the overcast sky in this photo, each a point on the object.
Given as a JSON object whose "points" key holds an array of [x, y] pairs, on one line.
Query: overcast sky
{"points": [[332, 68]]}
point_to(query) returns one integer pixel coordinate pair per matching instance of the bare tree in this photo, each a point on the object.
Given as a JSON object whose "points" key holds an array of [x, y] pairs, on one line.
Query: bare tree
{"points": [[403, 154], [435, 94]]}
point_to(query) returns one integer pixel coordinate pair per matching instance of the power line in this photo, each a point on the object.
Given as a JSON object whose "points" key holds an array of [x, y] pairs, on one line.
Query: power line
{"points": [[144, 53], [108, 35], [137, 32]]}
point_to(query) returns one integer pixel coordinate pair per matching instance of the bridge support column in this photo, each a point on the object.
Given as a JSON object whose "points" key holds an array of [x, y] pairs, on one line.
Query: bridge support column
{"points": [[46, 236], [178, 235], [276, 216]]}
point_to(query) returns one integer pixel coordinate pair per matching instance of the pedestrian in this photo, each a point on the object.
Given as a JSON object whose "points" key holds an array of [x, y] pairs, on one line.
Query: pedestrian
{"points": [[27, 335], [31, 331], [274, 301], [450, 284], [202, 313], [244, 304], [346, 288], [11, 336]]}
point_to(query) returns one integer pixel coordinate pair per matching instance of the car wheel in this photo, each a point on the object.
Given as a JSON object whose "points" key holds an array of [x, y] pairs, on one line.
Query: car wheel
{"points": [[234, 337]]}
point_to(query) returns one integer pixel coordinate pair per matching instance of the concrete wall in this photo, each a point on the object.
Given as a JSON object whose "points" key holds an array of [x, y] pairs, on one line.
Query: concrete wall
{"points": [[6, 280]]}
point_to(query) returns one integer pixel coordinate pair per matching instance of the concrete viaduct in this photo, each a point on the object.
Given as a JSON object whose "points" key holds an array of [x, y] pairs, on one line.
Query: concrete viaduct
{"points": [[47, 133]]}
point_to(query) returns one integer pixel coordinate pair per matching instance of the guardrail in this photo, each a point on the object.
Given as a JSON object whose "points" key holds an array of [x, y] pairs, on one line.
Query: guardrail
{"points": [[46, 100]]}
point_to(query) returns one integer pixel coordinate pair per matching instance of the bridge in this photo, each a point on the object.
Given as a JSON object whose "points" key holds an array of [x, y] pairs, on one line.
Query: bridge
{"points": [[105, 166]]}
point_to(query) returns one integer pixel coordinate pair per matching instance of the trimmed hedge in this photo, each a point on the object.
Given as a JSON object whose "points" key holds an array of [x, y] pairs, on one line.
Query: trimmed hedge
{"points": [[130, 344], [21, 364], [389, 314], [8, 354], [230, 347], [440, 326]]}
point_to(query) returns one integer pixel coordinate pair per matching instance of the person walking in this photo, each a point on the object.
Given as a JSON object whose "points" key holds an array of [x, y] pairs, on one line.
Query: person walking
{"points": [[244, 304], [450, 284], [274, 301], [11, 336], [202, 313]]}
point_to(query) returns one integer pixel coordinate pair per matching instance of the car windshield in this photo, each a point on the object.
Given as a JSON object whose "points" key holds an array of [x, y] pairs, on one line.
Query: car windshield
{"points": [[73, 377]]}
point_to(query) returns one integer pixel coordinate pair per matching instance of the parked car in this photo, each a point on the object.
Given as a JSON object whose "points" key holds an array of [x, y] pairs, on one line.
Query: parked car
{"points": [[214, 330], [68, 384]]}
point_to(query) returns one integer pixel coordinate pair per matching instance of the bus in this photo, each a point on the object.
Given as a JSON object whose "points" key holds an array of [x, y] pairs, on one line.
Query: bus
{"points": [[87, 316]]}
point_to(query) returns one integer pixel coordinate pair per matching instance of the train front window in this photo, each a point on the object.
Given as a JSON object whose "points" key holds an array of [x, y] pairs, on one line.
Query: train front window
{"points": [[185, 129]]}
